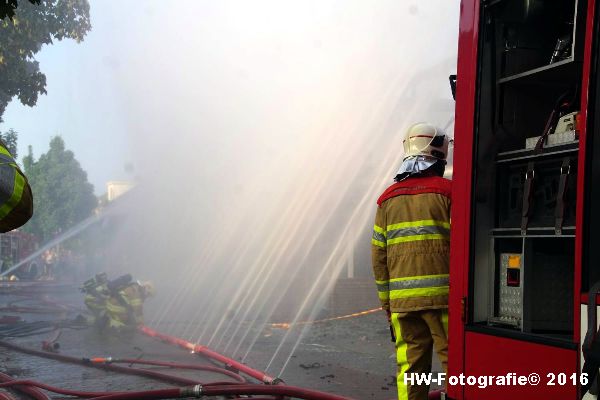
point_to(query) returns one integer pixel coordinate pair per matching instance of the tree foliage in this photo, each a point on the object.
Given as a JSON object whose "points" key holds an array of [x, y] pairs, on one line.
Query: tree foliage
{"points": [[61, 192], [23, 35], [7, 7], [10, 138]]}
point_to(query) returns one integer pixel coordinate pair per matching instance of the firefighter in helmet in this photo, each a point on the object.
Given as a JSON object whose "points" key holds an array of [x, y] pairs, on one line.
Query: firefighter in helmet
{"points": [[96, 296], [410, 256], [125, 305]]}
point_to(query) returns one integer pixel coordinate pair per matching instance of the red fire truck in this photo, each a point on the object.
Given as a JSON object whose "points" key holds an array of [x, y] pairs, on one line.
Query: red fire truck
{"points": [[17, 245], [525, 246]]}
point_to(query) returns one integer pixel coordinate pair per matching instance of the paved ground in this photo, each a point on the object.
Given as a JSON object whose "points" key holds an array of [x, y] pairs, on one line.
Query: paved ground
{"points": [[352, 357]]}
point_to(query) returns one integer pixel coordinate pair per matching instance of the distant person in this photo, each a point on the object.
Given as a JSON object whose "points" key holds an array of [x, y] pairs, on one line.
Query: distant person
{"points": [[410, 256], [49, 257]]}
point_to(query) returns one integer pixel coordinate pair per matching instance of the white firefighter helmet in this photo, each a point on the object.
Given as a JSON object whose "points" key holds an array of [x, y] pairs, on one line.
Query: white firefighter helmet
{"points": [[149, 289], [423, 139]]}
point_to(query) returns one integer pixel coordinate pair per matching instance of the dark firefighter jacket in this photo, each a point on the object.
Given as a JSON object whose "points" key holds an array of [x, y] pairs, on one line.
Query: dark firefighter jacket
{"points": [[16, 200]]}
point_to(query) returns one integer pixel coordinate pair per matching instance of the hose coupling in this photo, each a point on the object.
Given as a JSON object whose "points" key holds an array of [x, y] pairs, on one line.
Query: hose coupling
{"points": [[50, 346], [98, 360], [192, 391], [277, 381]]}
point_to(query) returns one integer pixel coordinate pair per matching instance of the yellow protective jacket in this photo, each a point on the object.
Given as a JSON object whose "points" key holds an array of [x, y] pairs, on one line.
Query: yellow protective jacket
{"points": [[95, 300], [125, 308], [411, 244]]}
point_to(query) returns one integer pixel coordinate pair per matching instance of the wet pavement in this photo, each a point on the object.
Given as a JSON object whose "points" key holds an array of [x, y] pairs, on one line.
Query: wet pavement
{"points": [[350, 357]]}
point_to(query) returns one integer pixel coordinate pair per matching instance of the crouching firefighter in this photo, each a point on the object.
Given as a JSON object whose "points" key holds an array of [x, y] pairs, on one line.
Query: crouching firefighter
{"points": [[125, 305], [410, 256], [96, 296]]}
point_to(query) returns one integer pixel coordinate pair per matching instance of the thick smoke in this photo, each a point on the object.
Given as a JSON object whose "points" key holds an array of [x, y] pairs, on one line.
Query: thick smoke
{"points": [[263, 133]]}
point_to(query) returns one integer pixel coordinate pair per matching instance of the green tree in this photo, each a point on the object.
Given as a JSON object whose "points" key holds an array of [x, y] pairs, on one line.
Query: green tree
{"points": [[10, 139], [7, 7], [23, 35], [62, 195]]}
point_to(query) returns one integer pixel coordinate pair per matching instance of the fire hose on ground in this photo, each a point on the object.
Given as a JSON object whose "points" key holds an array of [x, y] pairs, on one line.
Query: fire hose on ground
{"points": [[196, 391], [192, 389], [32, 392], [233, 367], [205, 351], [202, 350], [107, 366], [273, 387], [199, 391]]}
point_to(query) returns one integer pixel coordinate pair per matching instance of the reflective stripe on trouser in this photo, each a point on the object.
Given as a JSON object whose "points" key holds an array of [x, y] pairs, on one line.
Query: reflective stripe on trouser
{"points": [[417, 333]]}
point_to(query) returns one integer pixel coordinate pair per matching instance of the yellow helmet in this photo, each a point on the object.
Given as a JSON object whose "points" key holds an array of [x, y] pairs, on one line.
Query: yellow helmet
{"points": [[149, 289], [423, 139]]}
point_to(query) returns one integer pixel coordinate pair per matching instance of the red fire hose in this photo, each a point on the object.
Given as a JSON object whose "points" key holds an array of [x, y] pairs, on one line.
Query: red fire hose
{"points": [[32, 392], [193, 391], [210, 389], [54, 389], [199, 391], [205, 351], [207, 368], [32, 388], [86, 362]]}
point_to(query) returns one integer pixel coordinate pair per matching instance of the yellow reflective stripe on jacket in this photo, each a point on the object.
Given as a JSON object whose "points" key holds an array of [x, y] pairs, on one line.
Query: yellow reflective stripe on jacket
{"points": [[415, 282], [415, 238], [379, 236], [413, 224], [117, 309], [4, 150], [383, 290], [413, 286], [419, 292], [17, 193], [383, 286], [379, 229], [378, 243], [417, 230], [383, 295]]}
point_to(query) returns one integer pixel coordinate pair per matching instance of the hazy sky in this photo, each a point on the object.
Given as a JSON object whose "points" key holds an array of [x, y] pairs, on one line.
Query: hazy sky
{"points": [[150, 68], [83, 101]]}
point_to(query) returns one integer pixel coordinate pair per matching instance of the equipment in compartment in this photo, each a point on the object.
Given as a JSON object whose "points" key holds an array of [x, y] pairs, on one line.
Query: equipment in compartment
{"points": [[564, 132], [550, 200], [533, 290], [562, 49], [510, 291]]}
